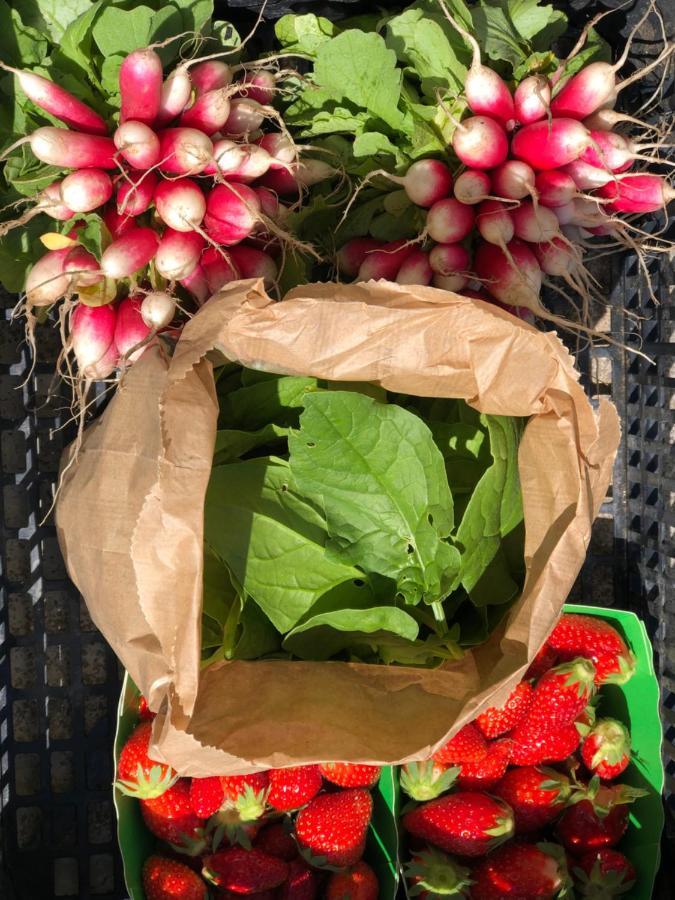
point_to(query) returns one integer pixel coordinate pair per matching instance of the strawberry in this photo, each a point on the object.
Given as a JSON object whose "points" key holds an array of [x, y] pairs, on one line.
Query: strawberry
{"points": [[332, 828], [166, 879], [465, 822], [145, 714], [484, 775], [559, 697], [537, 796], [521, 872], [247, 794], [244, 871], [603, 874], [427, 780], [350, 775], [468, 745], [357, 883], [171, 818], [291, 788], [138, 775], [498, 720], [543, 661], [596, 640], [206, 796], [302, 883], [606, 749], [530, 748], [598, 816], [276, 841], [432, 874]]}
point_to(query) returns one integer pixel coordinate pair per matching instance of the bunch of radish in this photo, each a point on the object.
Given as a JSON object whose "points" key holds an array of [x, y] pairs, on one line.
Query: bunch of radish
{"points": [[542, 170], [187, 184]]}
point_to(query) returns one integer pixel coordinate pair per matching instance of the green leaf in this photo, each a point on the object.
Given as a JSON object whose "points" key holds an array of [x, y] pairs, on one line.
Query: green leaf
{"points": [[596, 49], [20, 44], [110, 74], [92, 235], [382, 483], [75, 51], [232, 443], [256, 636], [433, 650], [496, 586], [271, 539], [277, 400], [27, 175], [304, 34], [19, 249], [52, 17], [509, 30], [465, 449], [119, 31], [359, 67], [316, 112]]}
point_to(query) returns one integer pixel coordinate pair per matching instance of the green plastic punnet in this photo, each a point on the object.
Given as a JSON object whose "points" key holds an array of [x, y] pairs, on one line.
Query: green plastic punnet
{"points": [[136, 843]]}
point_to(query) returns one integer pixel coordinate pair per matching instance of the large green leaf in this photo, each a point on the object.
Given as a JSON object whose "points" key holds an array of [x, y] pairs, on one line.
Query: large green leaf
{"points": [[20, 44], [381, 480], [277, 400], [509, 30], [304, 34], [52, 17]]}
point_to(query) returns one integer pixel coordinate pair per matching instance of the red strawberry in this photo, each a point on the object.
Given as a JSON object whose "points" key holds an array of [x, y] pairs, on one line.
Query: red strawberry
{"points": [[521, 872], [465, 822], [498, 720], [244, 871], [333, 827], [604, 873], [293, 787], [357, 883], [302, 883], [350, 775], [166, 879], [543, 661], [606, 749], [468, 745], [427, 780], [171, 818], [537, 796], [598, 817], [276, 841], [247, 794], [145, 714], [484, 775], [138, 775], [432, 874], [559, 697], [530, 748], [206, 795], [597, 640]]}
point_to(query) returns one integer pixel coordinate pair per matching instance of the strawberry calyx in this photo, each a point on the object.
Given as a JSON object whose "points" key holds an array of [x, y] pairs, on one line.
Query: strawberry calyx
{"points": [[436, 873], [604, 797], [560, 876], [319, 861], [625, 662], [504, 826], [604, 873], [228, 822], [612, 742], [192, 845], [427, 780], [148, 785], [555, 781], [581, 674]]}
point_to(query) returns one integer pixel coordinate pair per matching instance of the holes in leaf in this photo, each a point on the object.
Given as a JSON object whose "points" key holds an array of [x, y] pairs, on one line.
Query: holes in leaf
{"points": [[430, 519], [311, 444], [284, 488], [359, 582], [410, 549]]}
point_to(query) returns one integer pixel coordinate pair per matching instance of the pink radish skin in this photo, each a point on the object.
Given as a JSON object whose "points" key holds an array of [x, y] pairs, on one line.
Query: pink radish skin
{"points": [[47, 281], [281, 182], [129, 253], [449, 221], [472, 186], [426, 182], [86, 190], [138, 144], [254, 164], [495, 223], [175, 96], [638, 193], [555, 188], [105, 366], [118, 223], [253, 263], [130, 329], [92, 332], [534, 225], [178, 254], [218, 269], [384, 264], [71, 149], [227, 157], [208, 113], [556, 258], [210, 75], [352, 254], [180, 204], [585, 176], [184, 151], [83, 266], [197, 285], [51, 203], [60, 103], [415, 269], [450, 260], [611, 151], [565, 214], [259, 86], [480, 143], [282, 150], [135, 197], [532, 99], [545, 145], [516, 283], [232, 213], [158, 309], [594, 86], [140, 79], [246, 116], [269, 203], [514, 180]]}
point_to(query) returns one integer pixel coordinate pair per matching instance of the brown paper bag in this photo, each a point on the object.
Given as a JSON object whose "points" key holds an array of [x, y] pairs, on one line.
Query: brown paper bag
{"points": [[130, 512]]}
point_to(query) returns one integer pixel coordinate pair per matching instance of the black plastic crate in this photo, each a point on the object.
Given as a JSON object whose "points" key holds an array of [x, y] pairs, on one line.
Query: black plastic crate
{"points": [[59, 681]]}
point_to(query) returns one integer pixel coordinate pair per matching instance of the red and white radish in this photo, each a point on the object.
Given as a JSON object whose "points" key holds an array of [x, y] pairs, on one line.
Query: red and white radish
{"points": [[642, 193], [69, 149], [512, 276], [184, 151], [138, 144], [384, 263], [135, 196], [158, 309], [227, 157], [47, 281], [449, 221], [197, 285], [232, 212], [140, 80], [118, 223], [180, 204], [352, 254], [585, 176], [254, 163], [259, 86], [51, 203], [480, 142], [514, 180], [450, 265], [550, 145], [495, 222], [246, 116], [59, 102], [83, 267], [178, 254], [472, 186], [174, 96], [253, 263], [130, 329], [415, 269], [208, 113], [283, 152], [534, 224], [210, 75], [218, 269], [532, 99], [92, 332], [86, 190], [555, 188], [129, 253]]}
